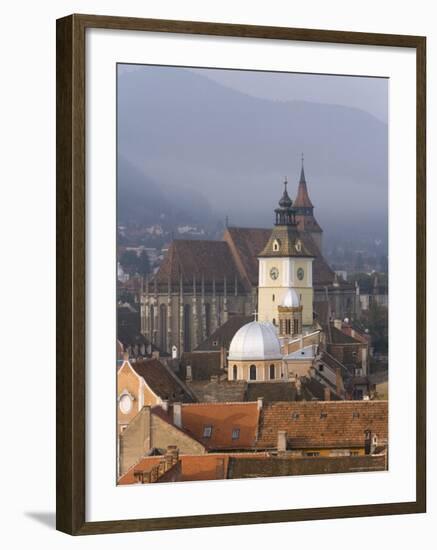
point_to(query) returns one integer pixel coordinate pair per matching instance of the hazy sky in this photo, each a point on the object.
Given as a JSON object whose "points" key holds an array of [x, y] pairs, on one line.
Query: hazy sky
{"points": [[368, 94], [227, 138]]}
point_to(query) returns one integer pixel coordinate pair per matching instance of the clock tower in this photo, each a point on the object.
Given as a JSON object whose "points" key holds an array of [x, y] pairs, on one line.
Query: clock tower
{"points": [[285, 264]]}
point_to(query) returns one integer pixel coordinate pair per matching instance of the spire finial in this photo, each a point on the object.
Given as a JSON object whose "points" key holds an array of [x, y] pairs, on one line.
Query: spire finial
{"points": [[302, 172]]}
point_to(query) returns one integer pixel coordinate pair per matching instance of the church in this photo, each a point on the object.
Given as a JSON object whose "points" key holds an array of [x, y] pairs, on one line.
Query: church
{"points": [[279, 273]]}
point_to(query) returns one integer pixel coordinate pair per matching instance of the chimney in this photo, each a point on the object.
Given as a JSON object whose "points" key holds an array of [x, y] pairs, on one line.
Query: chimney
{"points": [[188, 373], [338, 324], [260, 402], [168, 459], [177, 414], [155, 354], [282, 441], [164, 404], [327, 393], [174, 451]]}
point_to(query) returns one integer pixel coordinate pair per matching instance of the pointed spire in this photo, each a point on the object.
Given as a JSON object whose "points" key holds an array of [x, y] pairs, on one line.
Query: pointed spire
{"points": [[302, 172], [302, 198]]}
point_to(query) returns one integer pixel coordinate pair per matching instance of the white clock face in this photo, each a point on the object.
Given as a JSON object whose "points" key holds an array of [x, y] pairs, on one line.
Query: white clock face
{"points": [[125, 404], [274, 273]]}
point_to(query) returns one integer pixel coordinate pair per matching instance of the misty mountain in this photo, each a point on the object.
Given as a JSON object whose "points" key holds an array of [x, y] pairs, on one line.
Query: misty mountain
{"points": [[222, 152], [142, 200]]}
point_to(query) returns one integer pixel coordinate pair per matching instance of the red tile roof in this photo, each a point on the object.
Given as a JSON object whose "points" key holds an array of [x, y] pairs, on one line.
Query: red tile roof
{"points": [[302, 197], [194, 467], [162, 381], [321, 424], [224, 419], [187, 259], [249, 242]]}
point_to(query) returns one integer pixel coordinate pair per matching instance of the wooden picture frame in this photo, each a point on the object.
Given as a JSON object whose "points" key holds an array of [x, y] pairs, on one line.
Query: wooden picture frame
{"points": [[71, 253]]}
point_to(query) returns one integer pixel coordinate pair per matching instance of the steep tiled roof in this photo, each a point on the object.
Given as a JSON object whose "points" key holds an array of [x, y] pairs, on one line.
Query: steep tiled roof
{"points": [[188, 258], [308, 223], [247, 244], [222, 391], [302, 197], [271, 391], [290, 243], [243, 467], [204, 364], [194, 467], [224, 419], [223, 335], [321, 424], [162, 381], [236, 254]]}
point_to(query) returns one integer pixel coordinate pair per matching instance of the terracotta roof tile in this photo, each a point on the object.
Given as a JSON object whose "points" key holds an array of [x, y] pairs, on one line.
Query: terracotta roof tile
{"points": [[224, 420], [249, 242], [194, 467], [197, 258], [317, 424], [302, 198], [162, 381]]}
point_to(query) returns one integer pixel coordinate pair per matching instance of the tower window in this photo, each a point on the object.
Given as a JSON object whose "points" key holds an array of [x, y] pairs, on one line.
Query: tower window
{"points": [[274, 321], [273, 297], [272, 372], [296, 326], [288, 326], [252, 372], [236, 433], [234, 372]]}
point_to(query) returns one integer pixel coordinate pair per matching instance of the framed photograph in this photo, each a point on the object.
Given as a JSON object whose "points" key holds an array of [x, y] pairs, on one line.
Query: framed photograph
{"points": [[241, 216]]}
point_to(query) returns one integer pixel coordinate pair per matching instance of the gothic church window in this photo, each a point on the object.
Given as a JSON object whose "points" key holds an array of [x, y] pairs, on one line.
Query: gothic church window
{"points": [[187, 327], [163, 327]]}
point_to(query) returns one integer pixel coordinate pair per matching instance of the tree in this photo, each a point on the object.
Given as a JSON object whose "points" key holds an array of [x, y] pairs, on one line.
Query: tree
{"points": [[376, 319], [134, 263], [143, 265], [129, 259]]}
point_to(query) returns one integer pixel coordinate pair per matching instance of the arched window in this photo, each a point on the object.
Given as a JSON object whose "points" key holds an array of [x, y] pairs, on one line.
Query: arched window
{"points": [[187, 327], [234, 372], [273, 297], [274, 321], [163, 327], [152, 320], [296, 326], [207, 320], [252, 372], [287, 326], [272, 372]]}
